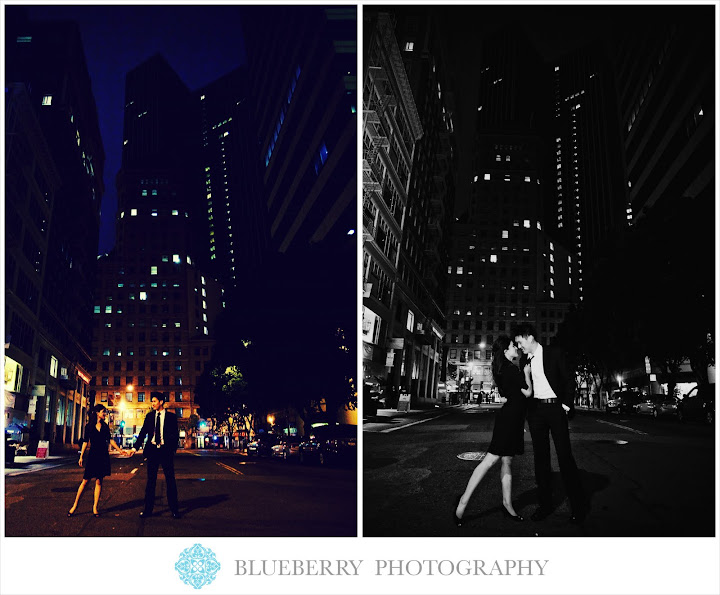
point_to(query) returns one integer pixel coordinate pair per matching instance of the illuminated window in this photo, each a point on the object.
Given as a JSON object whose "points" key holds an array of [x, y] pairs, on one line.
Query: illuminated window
{"points": [[53, 366], [176, 258], [143, 296], [108, 309], [175, 212], [409, 46], [505, 234], [459, 270], [153, 270], [487, 176], [47, 100], [96, 309], [154, 213], [133, 212], [526, 223], [144, 192], [410, 323], [493, 258]]}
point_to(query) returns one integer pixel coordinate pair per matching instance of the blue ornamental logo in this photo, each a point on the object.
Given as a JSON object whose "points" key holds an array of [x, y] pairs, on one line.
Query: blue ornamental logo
{"points": [[197, 566]]}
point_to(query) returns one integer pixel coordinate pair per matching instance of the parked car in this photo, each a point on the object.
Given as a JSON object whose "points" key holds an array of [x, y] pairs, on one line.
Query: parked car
{"points": [[330, 444], [262, 445], [698, 404], [613, 403], [623, 401], [647, 405], [657, 405], [287, 448]]}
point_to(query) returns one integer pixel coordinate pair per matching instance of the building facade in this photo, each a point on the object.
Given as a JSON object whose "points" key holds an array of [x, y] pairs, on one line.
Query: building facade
{"points": [[54, 186], [155, 305], [588, 206]]}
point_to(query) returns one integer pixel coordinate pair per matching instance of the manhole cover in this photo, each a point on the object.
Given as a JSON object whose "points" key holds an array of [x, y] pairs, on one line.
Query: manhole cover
{"points": [[471, 456]]}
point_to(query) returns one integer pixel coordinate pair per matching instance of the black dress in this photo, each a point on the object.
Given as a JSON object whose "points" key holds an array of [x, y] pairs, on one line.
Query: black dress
{"points": [[98, 460], [509, 432]]}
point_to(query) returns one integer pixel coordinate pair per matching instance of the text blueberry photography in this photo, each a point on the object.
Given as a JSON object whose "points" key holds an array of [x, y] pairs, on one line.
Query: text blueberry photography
{"points": [[197, 566]]}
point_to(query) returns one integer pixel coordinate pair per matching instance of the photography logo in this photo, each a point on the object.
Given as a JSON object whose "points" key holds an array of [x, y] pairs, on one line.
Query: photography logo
{"points": [[197, 566]]}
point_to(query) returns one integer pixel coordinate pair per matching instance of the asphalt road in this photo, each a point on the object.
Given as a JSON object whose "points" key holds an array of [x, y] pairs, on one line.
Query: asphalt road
{"points": [[643, 477], [221, 494]]}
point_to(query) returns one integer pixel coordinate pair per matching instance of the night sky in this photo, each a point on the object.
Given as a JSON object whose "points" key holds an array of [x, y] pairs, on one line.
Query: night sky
{"points": [[201, 43]]}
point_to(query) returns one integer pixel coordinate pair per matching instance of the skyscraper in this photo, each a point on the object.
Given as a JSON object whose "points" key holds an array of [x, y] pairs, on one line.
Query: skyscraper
{"points": [[155, 306], [54, 162]]}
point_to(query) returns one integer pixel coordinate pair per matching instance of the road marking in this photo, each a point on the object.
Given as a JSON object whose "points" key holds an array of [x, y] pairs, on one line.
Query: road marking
{"points": [[414, 423], [602, 421], [229, 468]]}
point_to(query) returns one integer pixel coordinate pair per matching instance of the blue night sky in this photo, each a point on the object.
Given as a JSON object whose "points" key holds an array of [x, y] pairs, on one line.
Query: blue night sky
{"points": [[200, 42]]}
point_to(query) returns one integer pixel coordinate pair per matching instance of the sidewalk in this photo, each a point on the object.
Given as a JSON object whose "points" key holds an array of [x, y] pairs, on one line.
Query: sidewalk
{"points": [[28, 464]]}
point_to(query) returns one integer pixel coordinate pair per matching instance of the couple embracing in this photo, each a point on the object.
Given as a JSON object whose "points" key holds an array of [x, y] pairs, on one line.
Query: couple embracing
{"points": [[161, 429], [544, 391]]}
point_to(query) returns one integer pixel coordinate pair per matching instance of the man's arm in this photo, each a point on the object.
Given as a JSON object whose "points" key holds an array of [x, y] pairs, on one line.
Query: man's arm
{"points": [[141, 435]]}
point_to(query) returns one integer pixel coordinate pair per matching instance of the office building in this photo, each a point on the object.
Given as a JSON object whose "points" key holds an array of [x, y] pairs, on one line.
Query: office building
{"points": [[54, 186]]}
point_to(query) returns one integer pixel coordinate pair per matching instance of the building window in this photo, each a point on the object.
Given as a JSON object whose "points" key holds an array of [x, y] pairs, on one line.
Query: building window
{"points": [[487, 176], [47, 100], [153, 270], [409, 45], [133, 212], [143, 296], [321, 158], [141, 397], [53, 366]]}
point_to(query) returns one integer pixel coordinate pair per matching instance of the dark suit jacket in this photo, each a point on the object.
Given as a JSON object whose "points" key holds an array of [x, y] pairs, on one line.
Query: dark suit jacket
{"points": [[560, 374], [170, 431]]}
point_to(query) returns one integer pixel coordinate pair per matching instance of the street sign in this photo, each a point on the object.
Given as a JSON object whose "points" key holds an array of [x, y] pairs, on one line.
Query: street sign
{"points": [[43, 449], [404, 402]]}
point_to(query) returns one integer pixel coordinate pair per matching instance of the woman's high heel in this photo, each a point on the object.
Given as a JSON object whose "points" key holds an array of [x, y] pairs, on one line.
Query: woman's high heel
{"points": [[456, 518], [514, 517]]}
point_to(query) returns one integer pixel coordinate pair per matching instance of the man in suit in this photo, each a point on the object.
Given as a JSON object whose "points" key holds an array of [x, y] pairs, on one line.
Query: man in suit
{"points": [[160, 426], [553, 403]]}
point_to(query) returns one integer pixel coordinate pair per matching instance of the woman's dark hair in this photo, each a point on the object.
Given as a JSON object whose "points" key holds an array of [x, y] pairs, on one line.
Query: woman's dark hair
{"points": [[498, 353], [94, 411]]}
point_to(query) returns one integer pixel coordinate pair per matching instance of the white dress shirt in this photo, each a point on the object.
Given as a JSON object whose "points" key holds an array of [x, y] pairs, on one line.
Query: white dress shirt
{"points": [[541, 385]]}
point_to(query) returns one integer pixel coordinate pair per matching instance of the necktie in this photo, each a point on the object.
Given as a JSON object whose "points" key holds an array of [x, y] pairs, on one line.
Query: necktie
{"points": [[157, 429]]}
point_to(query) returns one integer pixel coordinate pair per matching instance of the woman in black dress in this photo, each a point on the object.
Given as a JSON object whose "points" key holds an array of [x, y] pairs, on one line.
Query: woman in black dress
{"points": [[97, 434], [508, 433]]}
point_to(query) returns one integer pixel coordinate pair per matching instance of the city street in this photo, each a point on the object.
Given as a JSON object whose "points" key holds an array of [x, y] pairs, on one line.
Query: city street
{"points": [[221, 494], [643, 477]]}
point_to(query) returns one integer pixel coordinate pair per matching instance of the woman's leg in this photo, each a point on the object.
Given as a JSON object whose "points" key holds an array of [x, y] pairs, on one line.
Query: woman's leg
{"points": [[506, 482], [475, 480], [98, 488], [83, 483]]}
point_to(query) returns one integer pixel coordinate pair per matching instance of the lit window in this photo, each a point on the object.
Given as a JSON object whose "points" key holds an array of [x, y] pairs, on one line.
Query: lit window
{"points": [[96, 309], [143, 296], [175, 212], [53, 366], [487, 176], [153, 270], [409, 46], [459, 270], [144, 192], [493, 258], [204, 305], [108, 309], [526, 223], [505, 234], [47, 100], [176, 258], [133, 212], [475, 179], [154, 213]]}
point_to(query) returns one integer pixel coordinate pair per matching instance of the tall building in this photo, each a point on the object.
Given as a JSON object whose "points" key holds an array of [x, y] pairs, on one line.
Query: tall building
{"points": [[155, 306], [505, 267], [407, 195], [54, 186], [422, 277], [302, 71], [589, 206], [232, 211], [666, 91]]}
